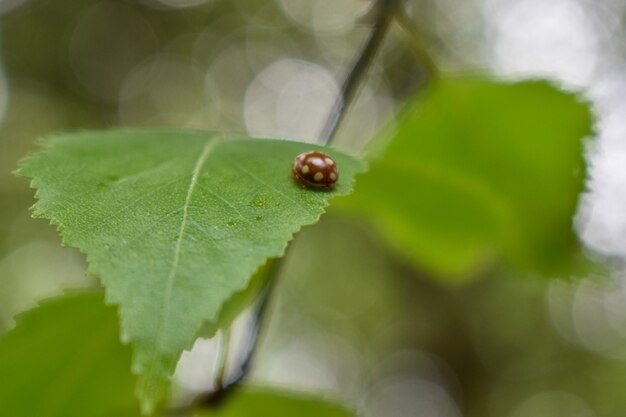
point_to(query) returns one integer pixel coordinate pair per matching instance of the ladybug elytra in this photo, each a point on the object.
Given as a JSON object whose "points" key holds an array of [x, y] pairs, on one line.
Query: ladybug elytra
{"points": [[315, 169]]}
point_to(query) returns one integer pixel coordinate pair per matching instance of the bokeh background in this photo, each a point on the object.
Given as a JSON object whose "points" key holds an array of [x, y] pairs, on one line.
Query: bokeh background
{"points": [[371, 330]]}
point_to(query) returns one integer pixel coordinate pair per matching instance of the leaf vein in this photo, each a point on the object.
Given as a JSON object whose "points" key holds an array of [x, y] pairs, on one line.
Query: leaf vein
{"points": [[204, 155]]}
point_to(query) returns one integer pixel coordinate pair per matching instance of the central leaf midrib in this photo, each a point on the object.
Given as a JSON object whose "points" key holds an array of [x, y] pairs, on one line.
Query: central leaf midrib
{"points": [[171, 278]]}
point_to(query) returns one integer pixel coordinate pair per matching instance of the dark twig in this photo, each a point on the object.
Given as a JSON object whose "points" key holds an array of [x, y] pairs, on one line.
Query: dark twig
{"points": [[414, 37], [385, 10], [259, 314], [350, 88], [225, 387], [222, 359], [385, 13]]}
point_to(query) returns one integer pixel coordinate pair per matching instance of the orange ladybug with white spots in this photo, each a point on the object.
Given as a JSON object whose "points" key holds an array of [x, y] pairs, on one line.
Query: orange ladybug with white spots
{"points": [[315, 169]]}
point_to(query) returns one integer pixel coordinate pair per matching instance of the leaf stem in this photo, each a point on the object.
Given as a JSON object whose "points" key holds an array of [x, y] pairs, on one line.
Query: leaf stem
{"points": [[385, 14], [259, 314], [385, 10], [223, 387], [414, 37], [222, 359]]}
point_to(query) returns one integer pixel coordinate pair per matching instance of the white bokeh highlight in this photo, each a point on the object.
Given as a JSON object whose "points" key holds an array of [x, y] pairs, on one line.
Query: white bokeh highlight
{"points": [[290, 98], [326, 16], [538, 38], [552, 404], [403, 396]]}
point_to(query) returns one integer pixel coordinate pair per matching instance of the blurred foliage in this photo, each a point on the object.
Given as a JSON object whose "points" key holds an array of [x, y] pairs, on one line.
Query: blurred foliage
{"points": [[252, 401], [476, 170], [64, 359], [85, 370], [492, 344]]}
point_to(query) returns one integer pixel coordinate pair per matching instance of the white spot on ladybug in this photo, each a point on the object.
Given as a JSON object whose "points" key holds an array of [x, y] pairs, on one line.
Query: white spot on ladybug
{"points": [[318, 176], [329, 161], [318, 162], [305, 169], [333, 176]]}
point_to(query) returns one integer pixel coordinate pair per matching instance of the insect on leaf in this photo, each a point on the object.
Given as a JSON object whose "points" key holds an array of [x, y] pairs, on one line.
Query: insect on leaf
{"points": [[174, 224]]}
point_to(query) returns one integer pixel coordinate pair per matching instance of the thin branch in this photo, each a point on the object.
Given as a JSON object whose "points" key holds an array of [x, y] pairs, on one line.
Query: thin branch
{"points": [[415, 36], [385, 11], [224, 388], [385, 15], [259, 315], [222, 359], [350, 88]]}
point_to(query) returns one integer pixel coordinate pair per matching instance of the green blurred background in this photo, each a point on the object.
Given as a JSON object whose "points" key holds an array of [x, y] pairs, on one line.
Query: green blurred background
{"points": [[372, 331]]}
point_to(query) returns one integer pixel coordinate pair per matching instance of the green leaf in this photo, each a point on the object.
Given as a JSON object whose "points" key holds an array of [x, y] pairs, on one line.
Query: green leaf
{"points": [[479, 170], [232, 308], [265, 402], [174, 224], [64, 359]]}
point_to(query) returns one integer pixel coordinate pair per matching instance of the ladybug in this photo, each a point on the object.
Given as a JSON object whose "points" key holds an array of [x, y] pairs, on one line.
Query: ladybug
{"points": [[315, 169]]}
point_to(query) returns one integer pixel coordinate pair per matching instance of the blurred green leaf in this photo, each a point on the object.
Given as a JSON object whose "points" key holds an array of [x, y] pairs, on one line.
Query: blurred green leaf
{"points": [[65, 359], [478, 170], [174, 223], [264, 402]]}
